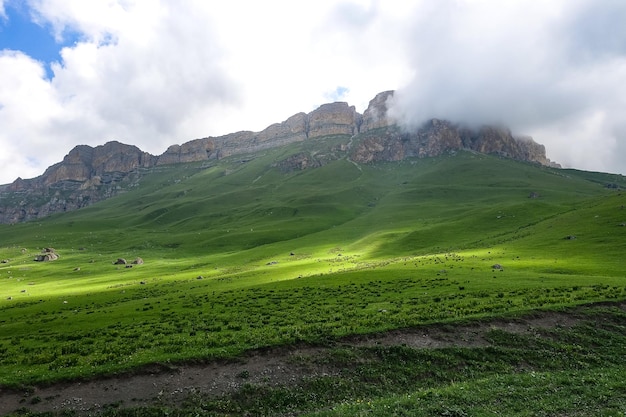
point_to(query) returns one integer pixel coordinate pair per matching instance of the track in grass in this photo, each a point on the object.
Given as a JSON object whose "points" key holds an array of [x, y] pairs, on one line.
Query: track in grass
{"points": [[417, 370]]}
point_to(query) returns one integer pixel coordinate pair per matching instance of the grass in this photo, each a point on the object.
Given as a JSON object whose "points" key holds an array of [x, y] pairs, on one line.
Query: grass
{"points": [[241, 256], [573, 370]]}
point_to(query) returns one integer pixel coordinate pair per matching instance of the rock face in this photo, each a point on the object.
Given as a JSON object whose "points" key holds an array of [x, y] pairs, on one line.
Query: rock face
{"points": [[298, 162], [196, 150], [435, 137], [333, 119], [87, 175], [375, 116], [329, 119], [84, 162]]}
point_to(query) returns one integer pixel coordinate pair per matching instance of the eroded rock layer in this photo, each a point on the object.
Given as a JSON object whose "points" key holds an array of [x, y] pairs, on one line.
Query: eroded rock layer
{"points": [[90, 174]]}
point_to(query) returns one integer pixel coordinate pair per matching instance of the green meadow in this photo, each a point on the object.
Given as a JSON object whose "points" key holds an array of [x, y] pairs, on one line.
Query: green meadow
{"points": [[239, 255]]}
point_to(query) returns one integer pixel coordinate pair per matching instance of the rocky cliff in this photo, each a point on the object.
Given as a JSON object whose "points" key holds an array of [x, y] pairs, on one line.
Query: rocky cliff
{"points": [[329, 119], [382, 139], [435, 137], [87, 175], [85, 163]]}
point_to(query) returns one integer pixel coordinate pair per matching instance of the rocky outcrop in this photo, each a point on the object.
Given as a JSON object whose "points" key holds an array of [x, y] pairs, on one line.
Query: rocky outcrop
{"points": [[84, 162], [375, 116], [329, 119], [298, 162], [534, 152], [87, 175], [436, 137], [379, 137], [195, 150], [500, 141], [333, 119], [295, 127]]}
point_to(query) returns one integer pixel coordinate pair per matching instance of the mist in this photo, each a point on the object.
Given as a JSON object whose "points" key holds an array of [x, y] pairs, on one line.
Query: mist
{"points": [[556, 72]]}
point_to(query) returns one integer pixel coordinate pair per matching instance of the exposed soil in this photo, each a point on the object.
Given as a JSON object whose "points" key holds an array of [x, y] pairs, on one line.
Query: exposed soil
{"points": [[169, 385]]}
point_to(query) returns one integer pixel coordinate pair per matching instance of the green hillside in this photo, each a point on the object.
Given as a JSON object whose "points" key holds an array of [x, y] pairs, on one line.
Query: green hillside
{"points": [[240, 255]]}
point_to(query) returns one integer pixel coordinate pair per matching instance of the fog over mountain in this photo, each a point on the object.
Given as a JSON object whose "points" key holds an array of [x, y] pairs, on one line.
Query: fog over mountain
{"points": [[551, 71]]}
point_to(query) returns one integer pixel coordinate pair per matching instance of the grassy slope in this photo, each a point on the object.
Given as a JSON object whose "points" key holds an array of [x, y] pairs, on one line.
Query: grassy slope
{"points": [[308, 255]]}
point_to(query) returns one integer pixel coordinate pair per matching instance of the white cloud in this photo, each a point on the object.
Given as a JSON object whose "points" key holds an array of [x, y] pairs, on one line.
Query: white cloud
{"points": [[157, 72], [96, 20], [27, 104], [550, 69]]}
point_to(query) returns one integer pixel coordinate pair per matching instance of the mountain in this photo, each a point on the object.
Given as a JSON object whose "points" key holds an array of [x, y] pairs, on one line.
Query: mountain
{"points": [[91, 174], [302, 245]]}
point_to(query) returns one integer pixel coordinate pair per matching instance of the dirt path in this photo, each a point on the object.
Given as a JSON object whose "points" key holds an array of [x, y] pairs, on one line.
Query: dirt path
{"points": [[160, 384]]}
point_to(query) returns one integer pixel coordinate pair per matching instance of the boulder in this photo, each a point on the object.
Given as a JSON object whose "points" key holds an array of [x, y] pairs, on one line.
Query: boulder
{"points": [[47, 254], [47, 257]]}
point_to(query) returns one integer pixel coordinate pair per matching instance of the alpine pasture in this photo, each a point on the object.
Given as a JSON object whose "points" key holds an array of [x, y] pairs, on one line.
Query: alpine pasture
{"points": [[240, 256]]}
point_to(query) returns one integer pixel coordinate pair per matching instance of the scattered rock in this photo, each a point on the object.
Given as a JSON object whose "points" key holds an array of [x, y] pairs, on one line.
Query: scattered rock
{"points": [[120, 261], [533, 195], [298, 162], [138, 261], [46, 258], [496, 266], [199, 277], [47, 254], [142, 282], [128, 266], [272, 263], [569, 237], [4, 261], [77, 269]]}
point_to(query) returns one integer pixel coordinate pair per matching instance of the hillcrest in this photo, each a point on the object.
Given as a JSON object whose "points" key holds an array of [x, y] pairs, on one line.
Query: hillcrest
{"points": [[91, 174]]}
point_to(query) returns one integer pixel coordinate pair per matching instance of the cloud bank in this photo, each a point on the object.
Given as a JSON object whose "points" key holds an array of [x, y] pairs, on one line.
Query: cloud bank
{"points": [[158, 72], [554, 70]]}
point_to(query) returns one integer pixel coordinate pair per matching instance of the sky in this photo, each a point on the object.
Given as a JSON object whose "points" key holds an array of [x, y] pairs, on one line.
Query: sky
{"points": [[153, 73]]}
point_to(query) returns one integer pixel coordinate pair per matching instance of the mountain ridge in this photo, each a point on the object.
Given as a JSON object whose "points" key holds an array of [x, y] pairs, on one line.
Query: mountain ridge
{"points": [[90, 174]]}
